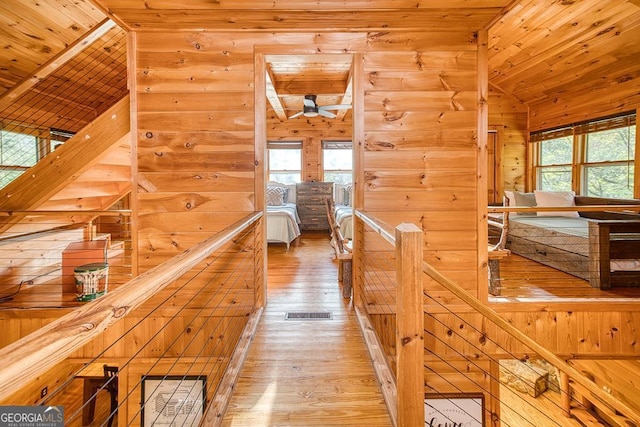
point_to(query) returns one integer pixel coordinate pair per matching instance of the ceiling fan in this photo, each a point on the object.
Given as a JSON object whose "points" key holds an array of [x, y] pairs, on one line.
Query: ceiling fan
{"points": [[311, 109]]}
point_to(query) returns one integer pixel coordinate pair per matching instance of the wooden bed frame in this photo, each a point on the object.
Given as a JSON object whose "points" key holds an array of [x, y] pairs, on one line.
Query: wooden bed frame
{"points": [[611, 236], [613, 239]]}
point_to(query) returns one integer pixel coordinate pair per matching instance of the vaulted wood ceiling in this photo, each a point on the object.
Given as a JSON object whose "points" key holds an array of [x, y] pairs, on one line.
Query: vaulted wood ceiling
{"points": [[538, 50]]}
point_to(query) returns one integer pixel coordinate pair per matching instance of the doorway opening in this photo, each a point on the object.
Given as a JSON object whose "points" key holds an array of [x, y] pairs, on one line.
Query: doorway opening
{"points": [[307, 138]]}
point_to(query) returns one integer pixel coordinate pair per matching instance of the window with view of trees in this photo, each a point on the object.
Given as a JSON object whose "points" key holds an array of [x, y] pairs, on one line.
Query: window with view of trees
{"points": [[18, 151], [22, 147], [285, 161], [337, 161], [609, 164], [555, 163], [595, 158]]}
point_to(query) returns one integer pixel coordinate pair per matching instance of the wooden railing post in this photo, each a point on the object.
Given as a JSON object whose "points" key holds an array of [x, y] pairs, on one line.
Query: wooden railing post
{"points": [[410, 330]]}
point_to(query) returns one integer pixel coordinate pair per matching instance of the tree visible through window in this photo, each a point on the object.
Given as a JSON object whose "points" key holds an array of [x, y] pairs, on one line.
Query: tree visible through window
{"points": [[556, 156], [609, 165], [601, 152], [18, 152]]}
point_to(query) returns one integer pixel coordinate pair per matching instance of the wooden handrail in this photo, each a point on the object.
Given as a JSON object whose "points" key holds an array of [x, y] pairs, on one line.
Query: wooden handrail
{"points": [[381, 227], [35, 353]]}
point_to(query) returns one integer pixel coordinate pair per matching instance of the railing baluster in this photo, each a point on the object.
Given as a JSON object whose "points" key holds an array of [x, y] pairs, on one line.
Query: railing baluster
{"points": [[410, 330]]}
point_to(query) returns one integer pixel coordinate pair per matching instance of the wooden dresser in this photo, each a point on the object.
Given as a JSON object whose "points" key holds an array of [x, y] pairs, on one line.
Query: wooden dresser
{"points": [[310, 201]]}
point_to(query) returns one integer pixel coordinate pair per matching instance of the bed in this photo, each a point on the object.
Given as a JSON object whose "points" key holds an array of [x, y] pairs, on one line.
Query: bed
{"points": [[343, 210], [604, 250], [283, 222]]}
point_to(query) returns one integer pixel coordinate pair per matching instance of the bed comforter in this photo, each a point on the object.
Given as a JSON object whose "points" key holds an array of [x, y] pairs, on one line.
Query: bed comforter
{"points": [[282, 224]]}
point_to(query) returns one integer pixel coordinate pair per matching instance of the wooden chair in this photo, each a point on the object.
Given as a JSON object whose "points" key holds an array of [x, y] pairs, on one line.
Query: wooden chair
{"points": [[111, 385], [498, 251], [342, 249]]}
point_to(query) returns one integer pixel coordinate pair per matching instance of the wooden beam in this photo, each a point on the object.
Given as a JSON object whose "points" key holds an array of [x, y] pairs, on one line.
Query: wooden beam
{"points": [[56, 62], [304, 87], [260, 177], [347, 98], [482, 291], [272, 96], [268, 20], [77, 155]]}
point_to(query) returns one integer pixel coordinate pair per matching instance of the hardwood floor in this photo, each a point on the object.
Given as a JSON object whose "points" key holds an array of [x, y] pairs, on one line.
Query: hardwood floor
{"points": [[521, 410], [306, 372], [522, 278], [47, 293]]}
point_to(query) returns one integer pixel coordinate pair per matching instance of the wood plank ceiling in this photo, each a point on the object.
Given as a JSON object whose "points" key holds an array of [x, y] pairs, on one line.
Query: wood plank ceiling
{"points": [[63, 64], [538, 50]]}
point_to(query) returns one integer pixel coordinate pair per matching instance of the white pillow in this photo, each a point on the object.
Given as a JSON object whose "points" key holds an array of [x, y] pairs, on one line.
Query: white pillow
{"points": [[275, 196], [555, 199]]}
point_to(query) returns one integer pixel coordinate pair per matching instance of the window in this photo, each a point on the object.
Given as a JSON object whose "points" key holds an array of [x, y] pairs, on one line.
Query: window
{"points": [[58, 137], [337, 160], [285, 161], [18, 151], [601, 152], [555, 163], [609, 163], [22, 147]]}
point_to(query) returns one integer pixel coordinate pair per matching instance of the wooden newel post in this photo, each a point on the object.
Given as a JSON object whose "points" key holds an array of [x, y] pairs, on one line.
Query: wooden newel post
{"points": [[410, 330]]}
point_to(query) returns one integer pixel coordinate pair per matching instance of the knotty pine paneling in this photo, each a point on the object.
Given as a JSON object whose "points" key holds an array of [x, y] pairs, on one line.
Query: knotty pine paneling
{"points": [[16, 324], [311, 131], [509, 116], [593, 103], [196, 162], [428, 93], [425, 89], [581, 333]]}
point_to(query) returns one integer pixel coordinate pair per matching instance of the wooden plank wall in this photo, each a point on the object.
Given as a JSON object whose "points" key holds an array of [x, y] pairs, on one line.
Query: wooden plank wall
{"points": [[195, 150], [312, 131], [195, 147], [36, 257], [420, 144], [595, 101], [508, 116], [420, 154]]}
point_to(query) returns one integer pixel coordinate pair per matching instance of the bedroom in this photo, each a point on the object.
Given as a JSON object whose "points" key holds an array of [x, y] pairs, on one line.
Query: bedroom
{"points": [[307, 146]]}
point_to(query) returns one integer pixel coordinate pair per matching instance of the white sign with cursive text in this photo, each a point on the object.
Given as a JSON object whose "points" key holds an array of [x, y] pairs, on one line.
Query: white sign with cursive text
{"points": [[454, 410]]}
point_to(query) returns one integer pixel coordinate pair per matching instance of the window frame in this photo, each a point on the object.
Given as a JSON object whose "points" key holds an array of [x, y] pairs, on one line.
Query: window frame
{"points": [[342, 144], [579, 166], [284, 145]]}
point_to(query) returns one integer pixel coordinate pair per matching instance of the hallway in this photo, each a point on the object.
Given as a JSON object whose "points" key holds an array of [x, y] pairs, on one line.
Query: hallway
{"points": [[306, 372]]}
